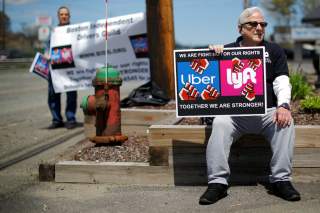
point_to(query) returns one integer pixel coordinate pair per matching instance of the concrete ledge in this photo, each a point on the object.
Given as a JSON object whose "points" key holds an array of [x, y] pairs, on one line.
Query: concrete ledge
{"points": [[15, 63], [30, 151]]}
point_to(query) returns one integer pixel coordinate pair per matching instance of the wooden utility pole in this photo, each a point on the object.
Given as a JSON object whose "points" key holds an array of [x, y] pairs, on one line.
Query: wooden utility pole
{"points": [[161, 43]]}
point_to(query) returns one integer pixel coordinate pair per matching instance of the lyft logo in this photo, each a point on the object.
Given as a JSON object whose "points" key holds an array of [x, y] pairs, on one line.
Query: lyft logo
{"points": [[238, 79], [197, 80]]}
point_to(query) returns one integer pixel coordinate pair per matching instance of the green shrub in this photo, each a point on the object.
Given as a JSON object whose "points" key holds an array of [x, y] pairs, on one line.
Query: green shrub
{"points": [[300, 87], [311, 104]]}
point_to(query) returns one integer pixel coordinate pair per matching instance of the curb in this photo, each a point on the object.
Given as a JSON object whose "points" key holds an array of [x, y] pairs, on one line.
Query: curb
{"points": [[38, 149]]}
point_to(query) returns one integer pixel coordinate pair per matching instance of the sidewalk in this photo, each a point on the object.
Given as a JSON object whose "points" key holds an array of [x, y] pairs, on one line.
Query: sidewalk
{"points": [[52, 197]]}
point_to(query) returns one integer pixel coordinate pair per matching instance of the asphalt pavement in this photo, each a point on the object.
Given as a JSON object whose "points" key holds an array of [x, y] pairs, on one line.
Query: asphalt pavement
{"points": [[53, 197]]}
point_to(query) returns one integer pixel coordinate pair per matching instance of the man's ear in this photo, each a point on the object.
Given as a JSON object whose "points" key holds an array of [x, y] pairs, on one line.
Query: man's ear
{"points": [[240, 28]]}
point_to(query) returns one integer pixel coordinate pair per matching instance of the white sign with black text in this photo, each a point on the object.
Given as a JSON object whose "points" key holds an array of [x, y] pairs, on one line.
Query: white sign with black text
{"points": [[78, 50]]}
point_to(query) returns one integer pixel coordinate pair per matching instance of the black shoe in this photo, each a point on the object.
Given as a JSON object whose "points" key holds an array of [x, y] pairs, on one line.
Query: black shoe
{"points": [[285, 190], [214, 192], [71, 124], [56, 125]]}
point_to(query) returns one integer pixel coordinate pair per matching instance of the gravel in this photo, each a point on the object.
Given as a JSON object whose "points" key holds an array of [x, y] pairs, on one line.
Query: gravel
{"points": [[135, 149]]}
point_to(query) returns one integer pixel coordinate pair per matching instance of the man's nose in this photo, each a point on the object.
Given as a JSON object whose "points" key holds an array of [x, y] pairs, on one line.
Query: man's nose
{"points": [[259, 27]]}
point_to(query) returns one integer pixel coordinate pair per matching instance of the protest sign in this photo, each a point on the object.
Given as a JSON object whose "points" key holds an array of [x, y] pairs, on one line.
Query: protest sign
{"points": [[231, 83], [78, 50], [40, 66]]}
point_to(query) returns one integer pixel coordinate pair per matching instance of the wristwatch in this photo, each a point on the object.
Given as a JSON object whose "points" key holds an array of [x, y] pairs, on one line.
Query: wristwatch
{"points": [[286, 106]]}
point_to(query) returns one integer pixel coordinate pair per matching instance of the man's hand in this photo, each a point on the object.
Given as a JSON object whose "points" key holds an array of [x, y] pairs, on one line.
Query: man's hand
{"points": [[216, 48], [199, 65], [46, 56], [237, 65], [188, 93], [282, 117], [210, 93], [254, 63], [248, 92]]}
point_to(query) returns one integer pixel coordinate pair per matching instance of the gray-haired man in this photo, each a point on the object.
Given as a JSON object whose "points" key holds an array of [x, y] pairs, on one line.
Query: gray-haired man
{"points": [[277, 125]]}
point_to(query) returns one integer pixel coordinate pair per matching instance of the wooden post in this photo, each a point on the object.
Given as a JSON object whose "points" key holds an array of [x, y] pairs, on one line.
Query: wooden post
{"points": [[161, 43]]}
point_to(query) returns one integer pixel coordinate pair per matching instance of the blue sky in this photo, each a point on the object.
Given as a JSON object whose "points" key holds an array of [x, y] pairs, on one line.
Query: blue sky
{"points": [[198, 22]]}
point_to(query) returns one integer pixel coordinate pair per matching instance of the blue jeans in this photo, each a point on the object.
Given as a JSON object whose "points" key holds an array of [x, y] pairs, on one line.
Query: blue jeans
{"points": [[54, 102]]}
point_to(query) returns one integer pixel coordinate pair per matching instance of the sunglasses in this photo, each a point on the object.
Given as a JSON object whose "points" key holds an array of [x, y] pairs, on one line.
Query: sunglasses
{"points": [[255, 24]]}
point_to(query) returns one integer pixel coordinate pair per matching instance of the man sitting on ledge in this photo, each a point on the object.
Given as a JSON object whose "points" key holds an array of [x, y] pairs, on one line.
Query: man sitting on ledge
{"points": [[277, 125]]}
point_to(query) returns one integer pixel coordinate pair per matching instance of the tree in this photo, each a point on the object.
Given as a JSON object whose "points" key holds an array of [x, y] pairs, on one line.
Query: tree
{"points": [[4, 28], [29, 30], [283, 10], [309, 5], [4, 21]]}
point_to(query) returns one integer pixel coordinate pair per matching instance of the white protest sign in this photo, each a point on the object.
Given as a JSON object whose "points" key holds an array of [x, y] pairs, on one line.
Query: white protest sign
{"points": [[78, 50]]}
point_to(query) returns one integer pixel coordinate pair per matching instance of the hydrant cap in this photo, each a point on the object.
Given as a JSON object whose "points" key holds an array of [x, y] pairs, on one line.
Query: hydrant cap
{"points": [[112, 74]]}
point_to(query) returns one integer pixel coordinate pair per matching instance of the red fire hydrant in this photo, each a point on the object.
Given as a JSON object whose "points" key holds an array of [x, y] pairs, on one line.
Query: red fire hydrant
{"points": [[105, 105]]}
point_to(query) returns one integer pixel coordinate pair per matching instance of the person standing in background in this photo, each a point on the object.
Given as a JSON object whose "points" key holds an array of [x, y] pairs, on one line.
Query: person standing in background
{"points": [[54, 99]]}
